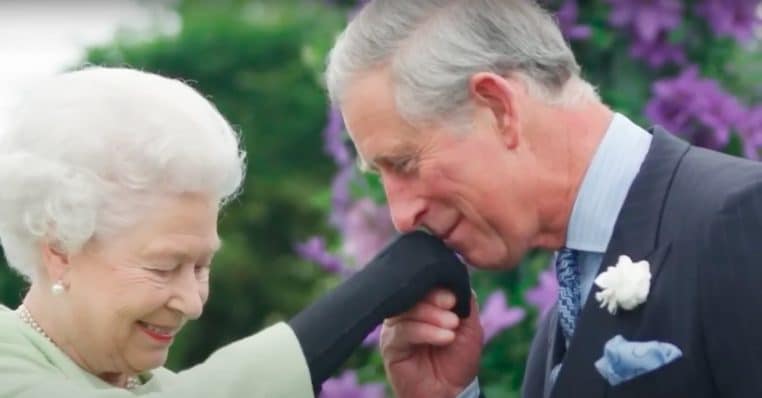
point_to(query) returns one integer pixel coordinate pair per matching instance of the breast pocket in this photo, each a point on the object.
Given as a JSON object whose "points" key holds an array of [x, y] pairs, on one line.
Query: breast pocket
{"points": [[673, 380]]}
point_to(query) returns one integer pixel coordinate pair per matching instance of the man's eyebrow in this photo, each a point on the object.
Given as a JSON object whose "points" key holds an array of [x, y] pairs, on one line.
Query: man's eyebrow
{"points": [[401, 152]]}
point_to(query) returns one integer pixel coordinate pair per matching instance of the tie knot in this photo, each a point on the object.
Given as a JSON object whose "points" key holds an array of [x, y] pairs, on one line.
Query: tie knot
{"points": [[566, 266], [566, 255], [566, 259]]}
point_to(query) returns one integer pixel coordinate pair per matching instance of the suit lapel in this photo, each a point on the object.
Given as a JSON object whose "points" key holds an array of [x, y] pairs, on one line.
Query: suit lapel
{"points": [[636, 234], [555, 351]]}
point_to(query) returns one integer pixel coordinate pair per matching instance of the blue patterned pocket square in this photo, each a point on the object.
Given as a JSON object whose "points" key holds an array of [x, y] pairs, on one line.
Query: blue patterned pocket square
{"points": [[624, 360]]}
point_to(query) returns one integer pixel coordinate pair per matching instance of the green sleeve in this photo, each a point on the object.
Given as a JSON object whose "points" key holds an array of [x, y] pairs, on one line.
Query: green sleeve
{"points": [[266, 365]]}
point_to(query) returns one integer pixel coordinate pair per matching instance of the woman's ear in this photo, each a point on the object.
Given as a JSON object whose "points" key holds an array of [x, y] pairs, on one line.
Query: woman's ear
{"points": [[55, 260], [499, 96]]}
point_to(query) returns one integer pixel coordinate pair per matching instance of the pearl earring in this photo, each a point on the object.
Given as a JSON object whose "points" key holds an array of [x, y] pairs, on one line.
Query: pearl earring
{"points": [[58, 288]]}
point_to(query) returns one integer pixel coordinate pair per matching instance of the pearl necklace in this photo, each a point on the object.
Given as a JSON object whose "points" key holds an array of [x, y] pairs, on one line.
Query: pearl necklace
{"points": [[25, 316]]}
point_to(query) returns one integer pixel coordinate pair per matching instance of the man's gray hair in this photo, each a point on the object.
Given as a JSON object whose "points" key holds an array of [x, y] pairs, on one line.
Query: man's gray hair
{"points": [[433, 47]]}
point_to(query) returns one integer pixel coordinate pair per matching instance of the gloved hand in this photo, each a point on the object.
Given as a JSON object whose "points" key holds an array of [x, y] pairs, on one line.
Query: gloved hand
{"points": [[403, 273]]}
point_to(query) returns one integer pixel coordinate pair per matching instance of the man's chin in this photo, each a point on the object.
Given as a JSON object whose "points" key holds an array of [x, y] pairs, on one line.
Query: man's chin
{"points": [[486, 262]]}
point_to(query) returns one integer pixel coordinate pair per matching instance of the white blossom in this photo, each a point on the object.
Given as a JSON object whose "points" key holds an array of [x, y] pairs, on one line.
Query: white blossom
{"points": [[624, 285]]}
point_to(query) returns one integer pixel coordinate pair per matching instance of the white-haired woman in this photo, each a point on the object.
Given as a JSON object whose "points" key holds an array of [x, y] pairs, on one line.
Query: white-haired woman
{"points": [[112, 180], [111, 184]]}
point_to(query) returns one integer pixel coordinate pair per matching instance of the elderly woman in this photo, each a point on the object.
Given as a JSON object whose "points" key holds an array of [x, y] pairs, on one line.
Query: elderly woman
{"points": [[111, 184], [112, 180]]}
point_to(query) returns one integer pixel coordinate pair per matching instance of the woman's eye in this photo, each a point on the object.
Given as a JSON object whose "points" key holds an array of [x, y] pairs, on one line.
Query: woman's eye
{"points": [[202, 272], [162, 271]]}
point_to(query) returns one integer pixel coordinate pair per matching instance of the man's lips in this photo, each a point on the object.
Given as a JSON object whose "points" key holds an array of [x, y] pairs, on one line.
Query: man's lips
{"points": [[445, 236]]}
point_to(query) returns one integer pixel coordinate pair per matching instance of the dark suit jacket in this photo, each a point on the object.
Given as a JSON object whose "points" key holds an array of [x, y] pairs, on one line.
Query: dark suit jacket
{"points": [[696, 216]]}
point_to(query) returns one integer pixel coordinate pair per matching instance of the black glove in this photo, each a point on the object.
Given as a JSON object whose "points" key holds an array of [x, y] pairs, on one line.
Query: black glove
{"points": [[392, 283]]}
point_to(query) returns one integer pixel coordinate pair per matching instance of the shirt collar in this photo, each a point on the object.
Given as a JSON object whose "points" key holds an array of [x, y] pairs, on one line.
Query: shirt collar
{"points": [[604, 188]]}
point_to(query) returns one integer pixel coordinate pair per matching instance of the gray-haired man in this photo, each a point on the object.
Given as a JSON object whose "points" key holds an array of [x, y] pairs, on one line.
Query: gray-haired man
{"points": [[475, 116]]}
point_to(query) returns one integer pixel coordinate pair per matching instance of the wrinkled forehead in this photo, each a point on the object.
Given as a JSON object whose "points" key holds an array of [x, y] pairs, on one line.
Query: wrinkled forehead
{"points": [[182, 221], [379, 138], [183, 247], [371, 116], [369, 101]]}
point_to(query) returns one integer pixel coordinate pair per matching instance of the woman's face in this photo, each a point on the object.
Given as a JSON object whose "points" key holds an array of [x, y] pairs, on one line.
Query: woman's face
{"points": [[129, 295]]}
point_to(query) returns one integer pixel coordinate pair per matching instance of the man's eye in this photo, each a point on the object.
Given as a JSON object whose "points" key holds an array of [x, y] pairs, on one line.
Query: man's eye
{"points": [[162, 272], [405, 166]]}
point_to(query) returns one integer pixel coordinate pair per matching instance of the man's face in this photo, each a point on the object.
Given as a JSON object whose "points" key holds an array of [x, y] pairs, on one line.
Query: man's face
{"points": [[466, 187]]}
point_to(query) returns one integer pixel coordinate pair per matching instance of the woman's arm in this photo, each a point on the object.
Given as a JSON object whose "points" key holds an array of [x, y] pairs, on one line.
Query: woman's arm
{"points": [[265, 365], [330, 329]]}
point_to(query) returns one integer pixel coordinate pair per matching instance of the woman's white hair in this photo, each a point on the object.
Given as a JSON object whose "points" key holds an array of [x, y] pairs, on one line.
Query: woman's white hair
{"points": [[433, 47], [86, 151]]}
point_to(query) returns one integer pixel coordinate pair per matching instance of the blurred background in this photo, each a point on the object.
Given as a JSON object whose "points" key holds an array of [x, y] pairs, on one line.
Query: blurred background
{"points": [[307, 219]]}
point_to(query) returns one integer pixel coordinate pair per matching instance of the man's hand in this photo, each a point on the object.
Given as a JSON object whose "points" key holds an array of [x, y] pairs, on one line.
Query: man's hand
{"points": [[430, 352]]}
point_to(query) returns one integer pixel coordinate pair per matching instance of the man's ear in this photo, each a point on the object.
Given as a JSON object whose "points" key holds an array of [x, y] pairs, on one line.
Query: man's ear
{"points": [[55, 260], [499, 95]]}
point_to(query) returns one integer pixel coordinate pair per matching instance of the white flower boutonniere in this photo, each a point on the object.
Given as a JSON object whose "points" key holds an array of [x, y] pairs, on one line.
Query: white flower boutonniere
{"points": [[624, 285]]}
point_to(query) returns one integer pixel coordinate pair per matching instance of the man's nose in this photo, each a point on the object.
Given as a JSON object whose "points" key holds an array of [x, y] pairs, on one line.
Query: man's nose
{"points": [[406, 207]]}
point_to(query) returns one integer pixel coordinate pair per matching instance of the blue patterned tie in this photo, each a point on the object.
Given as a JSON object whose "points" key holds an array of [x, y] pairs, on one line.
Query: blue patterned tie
{"points": [[568, 290]]}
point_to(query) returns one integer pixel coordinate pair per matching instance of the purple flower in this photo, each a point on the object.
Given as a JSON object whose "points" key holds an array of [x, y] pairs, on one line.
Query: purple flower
{"points": [[314, 250], [750, 129], [373, 338], [649, 21], [657, 52], [333, 139], [366, 229], [695, 108], [734, 18], [496, 316], [647, 18], [341, 198], [346, 386], [545, 294], [567, 16]]}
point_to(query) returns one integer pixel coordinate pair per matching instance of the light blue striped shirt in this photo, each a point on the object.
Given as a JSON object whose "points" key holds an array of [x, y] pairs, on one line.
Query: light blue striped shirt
{"points": [[602, 194], [600, 199]]}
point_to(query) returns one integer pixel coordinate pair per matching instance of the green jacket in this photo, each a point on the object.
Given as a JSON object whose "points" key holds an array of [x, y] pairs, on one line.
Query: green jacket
{"points": [[268, 364]]}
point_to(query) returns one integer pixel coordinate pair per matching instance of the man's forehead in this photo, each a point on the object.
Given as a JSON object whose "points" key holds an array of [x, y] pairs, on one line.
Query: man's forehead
{"points": [[372, 120], [381, 133], [369, 100], [385, 144]]}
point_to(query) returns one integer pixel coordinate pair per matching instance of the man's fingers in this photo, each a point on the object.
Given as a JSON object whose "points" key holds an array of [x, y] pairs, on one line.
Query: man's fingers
{"points": [[430, 322], [404, 335], [441, 298], [427, 313]]}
